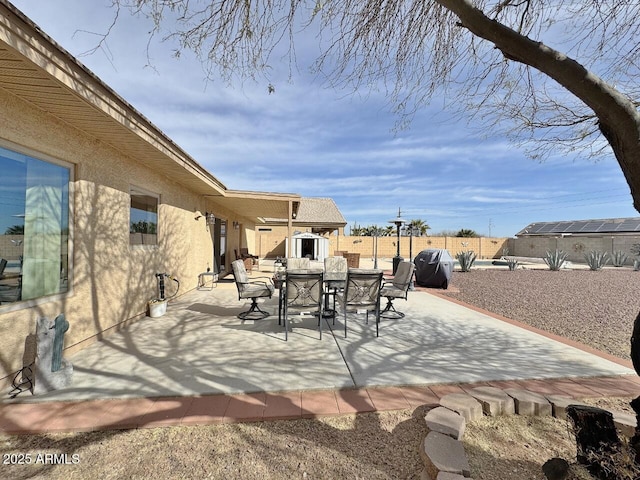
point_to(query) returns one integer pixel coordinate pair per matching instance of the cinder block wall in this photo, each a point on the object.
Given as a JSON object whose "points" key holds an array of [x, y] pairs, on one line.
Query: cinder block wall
{"points": [[575, 246], [273, 245]]}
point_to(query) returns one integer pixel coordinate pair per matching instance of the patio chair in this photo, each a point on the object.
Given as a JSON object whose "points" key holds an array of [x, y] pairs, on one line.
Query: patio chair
{"points": [[361, 292], [244, 253], [398, 287], [303, 294], [253, 289], [335, 275], [248, 262], [298, 263]]}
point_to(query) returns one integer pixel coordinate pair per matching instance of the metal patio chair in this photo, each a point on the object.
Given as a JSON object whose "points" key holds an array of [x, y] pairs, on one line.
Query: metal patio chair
{"points": [[398, 287], [298, 263], [361, 292], [335, 276], [303, 293], [252, 289]]}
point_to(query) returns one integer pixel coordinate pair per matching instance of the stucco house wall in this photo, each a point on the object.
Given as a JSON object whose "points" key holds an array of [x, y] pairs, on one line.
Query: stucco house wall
{"points": [[111, 280], [55, 110]]}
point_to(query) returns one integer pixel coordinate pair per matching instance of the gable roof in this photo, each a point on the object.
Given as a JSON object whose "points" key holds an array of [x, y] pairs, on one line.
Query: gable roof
{"points": [[583, 227], [314, 212]]}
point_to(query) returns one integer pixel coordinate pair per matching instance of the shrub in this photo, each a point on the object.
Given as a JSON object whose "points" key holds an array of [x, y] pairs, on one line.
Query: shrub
{"points": [[555, 259], [618, 258], [636, 265], [596, 259], [466, 259], [512, 263]]}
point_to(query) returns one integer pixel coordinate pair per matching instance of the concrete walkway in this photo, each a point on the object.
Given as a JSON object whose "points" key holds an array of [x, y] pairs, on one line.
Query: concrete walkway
{"points": [[200, 348]]}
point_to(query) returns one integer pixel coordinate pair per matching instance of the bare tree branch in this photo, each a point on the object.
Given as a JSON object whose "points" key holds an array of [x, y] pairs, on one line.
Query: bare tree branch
{"points": [[540, 71]]}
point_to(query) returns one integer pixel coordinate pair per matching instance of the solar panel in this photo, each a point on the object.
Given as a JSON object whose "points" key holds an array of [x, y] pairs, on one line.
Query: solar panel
{"points": [[548, 228], [630, 225], [533, 228], [590, 226], [607, 225]]}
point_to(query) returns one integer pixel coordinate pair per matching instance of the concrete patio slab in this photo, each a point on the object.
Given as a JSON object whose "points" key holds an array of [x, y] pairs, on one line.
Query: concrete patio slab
{"points": [[200, 347]]}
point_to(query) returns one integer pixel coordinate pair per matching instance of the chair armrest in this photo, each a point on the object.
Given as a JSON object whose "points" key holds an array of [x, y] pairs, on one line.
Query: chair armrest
{"points": [[268, 278]]}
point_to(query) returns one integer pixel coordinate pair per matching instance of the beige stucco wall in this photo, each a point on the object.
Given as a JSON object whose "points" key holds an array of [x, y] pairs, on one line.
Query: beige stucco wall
{"points": [[111, 280]]}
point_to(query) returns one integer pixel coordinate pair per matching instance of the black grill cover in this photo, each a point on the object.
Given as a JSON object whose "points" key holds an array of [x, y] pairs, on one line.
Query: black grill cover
{"points": [[434, 268]]}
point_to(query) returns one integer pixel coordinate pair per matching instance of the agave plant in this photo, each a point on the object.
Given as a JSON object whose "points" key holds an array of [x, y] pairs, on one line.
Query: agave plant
{"points": [[555, 259], [596, 259], [512, 263], [466, 259], [618, 258]]}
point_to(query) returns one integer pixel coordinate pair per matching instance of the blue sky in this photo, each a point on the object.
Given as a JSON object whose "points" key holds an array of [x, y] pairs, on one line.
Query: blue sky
{"points": [[318, 142]]}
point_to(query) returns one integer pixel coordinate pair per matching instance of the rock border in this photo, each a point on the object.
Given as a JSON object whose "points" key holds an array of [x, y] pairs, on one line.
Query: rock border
{"points": [[442, 449]]}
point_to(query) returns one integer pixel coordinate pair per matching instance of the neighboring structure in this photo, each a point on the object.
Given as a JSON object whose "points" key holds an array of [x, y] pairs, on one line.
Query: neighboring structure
{"points": [[577, 237], [95, 200], [319, 216], [311, 245]]}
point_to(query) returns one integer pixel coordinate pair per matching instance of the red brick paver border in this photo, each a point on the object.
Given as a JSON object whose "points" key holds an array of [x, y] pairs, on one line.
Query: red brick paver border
{"points": [[93, 415]]}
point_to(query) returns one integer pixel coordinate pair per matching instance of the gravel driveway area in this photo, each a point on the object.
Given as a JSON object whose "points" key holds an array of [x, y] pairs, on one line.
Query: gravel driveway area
{"points": [[596, 308]]}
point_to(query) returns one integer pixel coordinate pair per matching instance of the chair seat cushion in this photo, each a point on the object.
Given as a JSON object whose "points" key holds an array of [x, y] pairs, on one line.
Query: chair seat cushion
{"points": [[252, 290], [391, 291]]}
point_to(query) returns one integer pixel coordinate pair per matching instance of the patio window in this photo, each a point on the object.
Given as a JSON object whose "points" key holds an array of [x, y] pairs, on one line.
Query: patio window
{"points": [[143, 219], [34, 227]]}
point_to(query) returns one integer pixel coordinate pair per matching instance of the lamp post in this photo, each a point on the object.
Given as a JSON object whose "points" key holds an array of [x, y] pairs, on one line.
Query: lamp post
{"points": [[412, 231], [375, 233], [398, 221]]}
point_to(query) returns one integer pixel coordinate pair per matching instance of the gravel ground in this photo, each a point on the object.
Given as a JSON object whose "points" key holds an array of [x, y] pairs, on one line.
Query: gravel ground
{"points": [[595, 308]]}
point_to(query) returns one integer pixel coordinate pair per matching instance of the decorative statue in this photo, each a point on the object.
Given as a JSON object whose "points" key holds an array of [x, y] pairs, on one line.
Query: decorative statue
{"points": [[60, 327]]}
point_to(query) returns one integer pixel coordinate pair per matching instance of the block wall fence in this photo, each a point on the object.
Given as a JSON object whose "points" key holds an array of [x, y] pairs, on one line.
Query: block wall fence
{"points": [[273, 245], [574, 246]]}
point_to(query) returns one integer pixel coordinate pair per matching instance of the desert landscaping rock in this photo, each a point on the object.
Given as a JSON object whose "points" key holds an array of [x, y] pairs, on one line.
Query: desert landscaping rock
{"points": [[448, 422], [576, 303], [451, 476], [442, 453], [529, 403], [494, 401], [559, 405], [464, 404]]}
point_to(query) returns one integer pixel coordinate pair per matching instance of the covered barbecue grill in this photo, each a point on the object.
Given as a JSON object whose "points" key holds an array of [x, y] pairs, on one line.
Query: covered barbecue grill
{"points": [[434, 268]]}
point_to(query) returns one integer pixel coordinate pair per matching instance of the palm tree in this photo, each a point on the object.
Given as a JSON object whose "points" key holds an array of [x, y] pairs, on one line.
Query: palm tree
{"points": [[389, 231], [15, 230], [466, 232], [356, 231], [420, 225]]}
